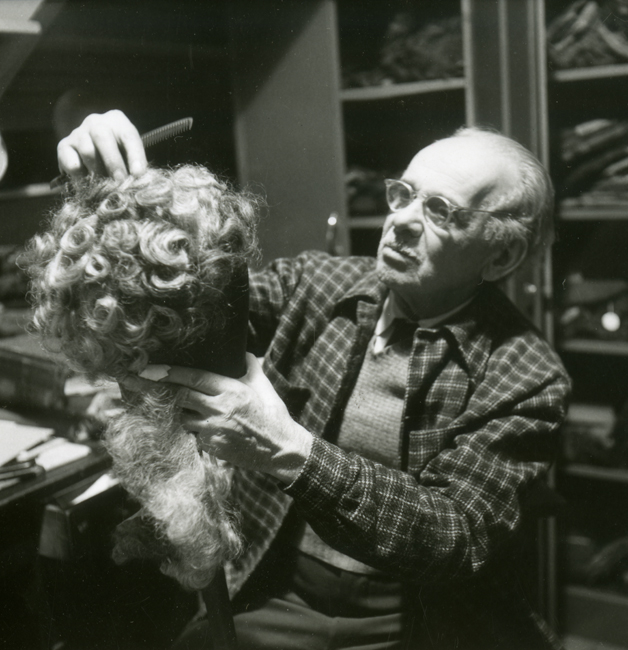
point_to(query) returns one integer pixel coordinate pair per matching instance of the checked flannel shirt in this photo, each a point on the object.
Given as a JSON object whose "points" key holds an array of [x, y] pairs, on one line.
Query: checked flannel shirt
{"points": [[485, 397]]}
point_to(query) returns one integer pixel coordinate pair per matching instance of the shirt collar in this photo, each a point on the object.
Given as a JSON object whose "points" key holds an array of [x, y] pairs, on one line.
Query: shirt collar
{"points": [[392, 310], [463, 321]]}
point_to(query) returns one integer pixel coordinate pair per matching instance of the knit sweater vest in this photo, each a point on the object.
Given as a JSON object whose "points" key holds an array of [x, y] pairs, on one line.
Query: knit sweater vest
{"points": [[371, 428]]}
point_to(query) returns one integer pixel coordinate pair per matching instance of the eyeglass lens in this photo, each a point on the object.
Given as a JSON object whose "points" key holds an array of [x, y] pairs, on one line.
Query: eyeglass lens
{"points": [[436, 209]]}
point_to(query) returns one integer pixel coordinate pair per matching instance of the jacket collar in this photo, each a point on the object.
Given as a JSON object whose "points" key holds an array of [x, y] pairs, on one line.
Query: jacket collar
{"points": [[368, 288], [466, 326], [470, 327]]}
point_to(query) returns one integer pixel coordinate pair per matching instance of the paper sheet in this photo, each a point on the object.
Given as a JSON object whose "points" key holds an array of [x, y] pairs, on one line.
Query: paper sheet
{"points": [[66, 453], [15, 437], [102, 484]]}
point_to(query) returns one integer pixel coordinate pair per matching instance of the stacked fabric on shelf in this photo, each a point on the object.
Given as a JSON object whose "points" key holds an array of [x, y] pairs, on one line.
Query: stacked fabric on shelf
{"points": [[595, 155], [366, 192], [414, 52], [589, 33]]}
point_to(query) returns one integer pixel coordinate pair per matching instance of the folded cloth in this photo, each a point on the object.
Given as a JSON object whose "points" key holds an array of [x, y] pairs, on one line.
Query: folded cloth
{"points": [[589, 33], [414, 52]]}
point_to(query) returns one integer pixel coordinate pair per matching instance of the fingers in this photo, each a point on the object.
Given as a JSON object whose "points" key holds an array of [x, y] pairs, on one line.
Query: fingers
{"points": [[253, 368], [194, 424], [202, 381], [135, 384], [131, 142], [196, 403], [105, 144], [255, 377]]}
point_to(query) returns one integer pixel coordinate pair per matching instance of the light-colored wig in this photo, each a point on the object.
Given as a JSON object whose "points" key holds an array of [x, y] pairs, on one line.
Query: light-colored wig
{"points": [[531, 202], [126, 270]]}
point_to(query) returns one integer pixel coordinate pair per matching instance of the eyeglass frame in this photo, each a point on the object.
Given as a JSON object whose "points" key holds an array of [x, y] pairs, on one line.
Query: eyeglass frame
{"points": [[452, 207]]}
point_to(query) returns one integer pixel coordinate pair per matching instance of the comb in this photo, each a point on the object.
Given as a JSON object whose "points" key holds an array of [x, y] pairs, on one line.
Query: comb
{"points": [[149, 139], [165, 132]]}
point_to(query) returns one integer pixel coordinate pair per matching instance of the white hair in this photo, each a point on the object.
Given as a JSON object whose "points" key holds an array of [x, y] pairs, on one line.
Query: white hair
{"points": [[531, 201]]}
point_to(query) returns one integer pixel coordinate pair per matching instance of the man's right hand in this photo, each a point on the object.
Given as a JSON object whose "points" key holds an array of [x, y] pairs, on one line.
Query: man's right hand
{"points": [[106, 144]]}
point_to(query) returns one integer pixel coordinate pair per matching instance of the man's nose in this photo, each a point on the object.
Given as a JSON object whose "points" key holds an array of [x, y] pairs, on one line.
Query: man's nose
{"points": [[407, 223]]}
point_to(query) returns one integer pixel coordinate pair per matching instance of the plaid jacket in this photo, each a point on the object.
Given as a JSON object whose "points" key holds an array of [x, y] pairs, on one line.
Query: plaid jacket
{"points": [[485, 396]]}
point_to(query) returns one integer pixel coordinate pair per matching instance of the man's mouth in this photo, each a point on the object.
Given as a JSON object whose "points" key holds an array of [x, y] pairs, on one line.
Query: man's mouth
{"points": [[400, 251]]}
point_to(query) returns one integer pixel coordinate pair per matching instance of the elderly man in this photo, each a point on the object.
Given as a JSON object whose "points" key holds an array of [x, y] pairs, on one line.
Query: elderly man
{"points": [[405, 412]]}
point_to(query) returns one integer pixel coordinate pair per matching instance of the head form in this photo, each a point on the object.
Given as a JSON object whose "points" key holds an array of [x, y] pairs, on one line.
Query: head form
{"points": [[145, 270]]}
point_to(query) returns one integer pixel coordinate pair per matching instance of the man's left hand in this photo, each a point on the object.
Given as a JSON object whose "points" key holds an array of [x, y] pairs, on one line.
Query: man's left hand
{"points": [[242, 421]]}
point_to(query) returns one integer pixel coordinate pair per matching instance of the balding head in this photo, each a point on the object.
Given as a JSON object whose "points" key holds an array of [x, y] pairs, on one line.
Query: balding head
{"points": [[530, 198]]}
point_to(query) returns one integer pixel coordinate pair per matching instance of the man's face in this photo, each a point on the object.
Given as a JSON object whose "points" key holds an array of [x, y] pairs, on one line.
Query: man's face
{"points": [[432, 269]]}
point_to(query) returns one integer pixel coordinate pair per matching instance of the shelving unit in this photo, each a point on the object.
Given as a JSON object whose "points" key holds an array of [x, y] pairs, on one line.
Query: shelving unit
{"points": [[593, 212], [594, 614], [385, 125], [593, 605], [594, 72], [408, 89], [600, 473], [23, 210], [587, 346]]}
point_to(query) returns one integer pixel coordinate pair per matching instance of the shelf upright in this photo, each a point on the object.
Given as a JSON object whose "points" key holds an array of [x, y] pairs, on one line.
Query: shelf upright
{"points": [[591, 610]]}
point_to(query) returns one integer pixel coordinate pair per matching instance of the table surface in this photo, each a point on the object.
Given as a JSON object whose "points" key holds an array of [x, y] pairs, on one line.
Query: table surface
{"points": [[56, 479]]}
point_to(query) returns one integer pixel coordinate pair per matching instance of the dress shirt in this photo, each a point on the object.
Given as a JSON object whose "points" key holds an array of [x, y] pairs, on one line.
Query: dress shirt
{"points": [[392, 311]]}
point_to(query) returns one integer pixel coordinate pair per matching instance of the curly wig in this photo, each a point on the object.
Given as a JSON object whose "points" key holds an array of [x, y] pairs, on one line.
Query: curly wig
{"points": [[127, 269], [132, 272]]}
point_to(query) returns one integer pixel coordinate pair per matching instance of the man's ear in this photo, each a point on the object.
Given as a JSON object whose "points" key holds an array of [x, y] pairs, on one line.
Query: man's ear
{"points": [[504, 261]]}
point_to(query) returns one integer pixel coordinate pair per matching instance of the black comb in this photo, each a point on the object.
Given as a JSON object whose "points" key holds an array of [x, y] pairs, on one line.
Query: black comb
{"points": [[168, 131], [149, 139]]}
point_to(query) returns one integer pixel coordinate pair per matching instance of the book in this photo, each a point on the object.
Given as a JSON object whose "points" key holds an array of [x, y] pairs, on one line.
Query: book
{"points": [[30, 376]]}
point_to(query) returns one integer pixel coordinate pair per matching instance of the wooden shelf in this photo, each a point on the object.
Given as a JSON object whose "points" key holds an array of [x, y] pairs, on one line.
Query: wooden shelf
{"points": [[597, 614], [390, 91], [618, 475], [10, 27], [615, 212], [573, 642], [587, 346], [594, 72], [365, 223], [29, 191]]}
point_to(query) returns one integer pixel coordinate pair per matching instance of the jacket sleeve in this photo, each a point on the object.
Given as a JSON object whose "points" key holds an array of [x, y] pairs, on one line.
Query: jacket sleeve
{"points": [[447, 523]]}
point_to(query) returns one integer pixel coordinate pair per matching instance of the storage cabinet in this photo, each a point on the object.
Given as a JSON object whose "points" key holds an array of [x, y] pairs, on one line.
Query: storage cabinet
{"points": [[588, 98]]}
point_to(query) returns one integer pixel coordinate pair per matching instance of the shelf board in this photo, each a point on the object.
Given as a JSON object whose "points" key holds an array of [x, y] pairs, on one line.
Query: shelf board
{"points": [[619, 475], [390, 91], [596, 614], [573, 642], [364, 223], [619, 348], [615, 212], [9, 27], [593, 72], [29, 192]]}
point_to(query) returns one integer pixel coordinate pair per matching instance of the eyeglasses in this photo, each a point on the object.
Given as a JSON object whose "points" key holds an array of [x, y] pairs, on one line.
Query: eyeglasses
{"points": [[439, 210]]}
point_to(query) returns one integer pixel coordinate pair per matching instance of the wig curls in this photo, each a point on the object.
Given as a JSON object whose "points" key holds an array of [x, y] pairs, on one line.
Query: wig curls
{"points": [[148, 270], [130, 269]]}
